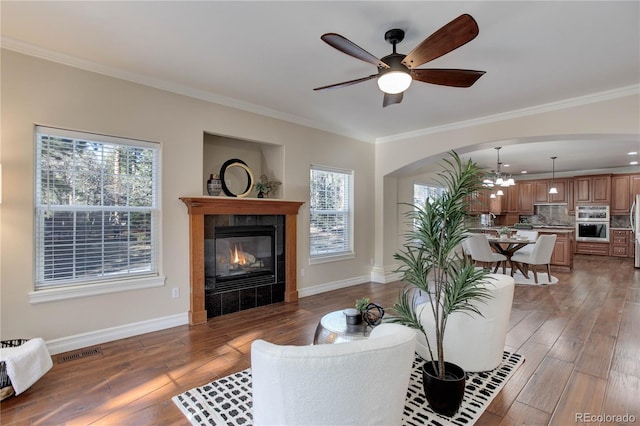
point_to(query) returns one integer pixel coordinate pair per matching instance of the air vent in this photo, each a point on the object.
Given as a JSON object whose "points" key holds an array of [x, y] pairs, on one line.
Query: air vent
{"points": [[80, 353]]}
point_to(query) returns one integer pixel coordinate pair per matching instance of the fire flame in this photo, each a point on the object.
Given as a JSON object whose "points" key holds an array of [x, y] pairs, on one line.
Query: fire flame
{"points": [[238, 256]]}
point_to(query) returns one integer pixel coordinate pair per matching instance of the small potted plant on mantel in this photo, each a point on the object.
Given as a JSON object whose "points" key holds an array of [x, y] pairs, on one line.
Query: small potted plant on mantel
{"points": [[433, 267]]}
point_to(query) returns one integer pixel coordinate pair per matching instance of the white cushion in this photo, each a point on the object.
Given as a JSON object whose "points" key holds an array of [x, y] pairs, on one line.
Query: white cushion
{"points": [[351, 383], [473, 342]]}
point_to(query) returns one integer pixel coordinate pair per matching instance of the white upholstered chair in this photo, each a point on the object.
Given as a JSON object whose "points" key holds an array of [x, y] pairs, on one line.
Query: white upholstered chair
{"points": [[352, 383], [473, 342], [540, 255], [480, 251], [531, 236]]}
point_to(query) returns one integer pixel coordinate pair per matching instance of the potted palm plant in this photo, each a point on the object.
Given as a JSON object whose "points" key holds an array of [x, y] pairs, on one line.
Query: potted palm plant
{"points": [[433, 266]]}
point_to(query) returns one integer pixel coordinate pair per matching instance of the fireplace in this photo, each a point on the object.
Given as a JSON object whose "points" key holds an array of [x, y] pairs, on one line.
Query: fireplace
{"points": [[243, 262], [210, 214]]}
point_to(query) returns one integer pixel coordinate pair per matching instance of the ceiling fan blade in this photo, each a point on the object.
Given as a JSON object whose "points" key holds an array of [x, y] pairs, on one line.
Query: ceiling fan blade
{"points": [[456, 33], [346, 83], [350, 48], [447, 77], [391, 99]]}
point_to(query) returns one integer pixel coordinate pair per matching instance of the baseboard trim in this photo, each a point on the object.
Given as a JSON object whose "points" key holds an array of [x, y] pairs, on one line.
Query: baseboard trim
{"points": [[385, 274], [83, 340], [335, 285]]}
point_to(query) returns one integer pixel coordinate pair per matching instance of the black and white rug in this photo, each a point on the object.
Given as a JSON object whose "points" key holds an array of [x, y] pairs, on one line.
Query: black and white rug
{"points": [[227, 401]]}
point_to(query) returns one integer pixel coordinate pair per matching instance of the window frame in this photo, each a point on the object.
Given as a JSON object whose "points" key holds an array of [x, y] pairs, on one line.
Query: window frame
{"points": [[60, 289], [349, 253]]}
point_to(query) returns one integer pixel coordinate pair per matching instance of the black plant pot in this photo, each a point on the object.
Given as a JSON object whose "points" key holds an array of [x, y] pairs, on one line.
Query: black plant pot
{"points": [[444, 396]]}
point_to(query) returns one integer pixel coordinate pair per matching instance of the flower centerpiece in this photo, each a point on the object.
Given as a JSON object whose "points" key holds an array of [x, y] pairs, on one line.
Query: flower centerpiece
{"points": [[504, 232]]}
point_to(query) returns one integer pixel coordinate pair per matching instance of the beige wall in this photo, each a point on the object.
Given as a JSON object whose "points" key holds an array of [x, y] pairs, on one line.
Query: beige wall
{"points": [[35, 91]]}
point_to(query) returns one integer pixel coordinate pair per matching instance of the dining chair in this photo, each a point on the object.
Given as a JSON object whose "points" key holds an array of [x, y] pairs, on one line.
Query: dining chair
{"points": [[531, 236], [540, 255], [480, 251]]}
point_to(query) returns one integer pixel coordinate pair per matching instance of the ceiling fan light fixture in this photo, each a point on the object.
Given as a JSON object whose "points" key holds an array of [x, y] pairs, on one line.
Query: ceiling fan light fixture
{"points": [[394, 82]]}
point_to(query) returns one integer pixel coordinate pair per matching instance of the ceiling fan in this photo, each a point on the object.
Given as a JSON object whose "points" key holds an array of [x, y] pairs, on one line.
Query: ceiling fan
{"points": [[396, 71]]}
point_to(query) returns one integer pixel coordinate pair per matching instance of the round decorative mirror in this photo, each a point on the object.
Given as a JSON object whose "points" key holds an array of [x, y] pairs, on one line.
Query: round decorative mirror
{"points": [[236, 177]]}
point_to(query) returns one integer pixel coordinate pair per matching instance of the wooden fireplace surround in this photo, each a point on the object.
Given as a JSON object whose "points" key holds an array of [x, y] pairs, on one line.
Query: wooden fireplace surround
{"points": [[198, 207]]}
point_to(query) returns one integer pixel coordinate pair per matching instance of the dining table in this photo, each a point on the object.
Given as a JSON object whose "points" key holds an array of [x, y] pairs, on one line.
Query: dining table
{"points": [[507, 246]]}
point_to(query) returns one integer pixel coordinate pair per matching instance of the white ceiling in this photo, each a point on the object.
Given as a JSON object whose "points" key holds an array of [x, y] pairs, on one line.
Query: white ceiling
{"points": [[267, 57]]}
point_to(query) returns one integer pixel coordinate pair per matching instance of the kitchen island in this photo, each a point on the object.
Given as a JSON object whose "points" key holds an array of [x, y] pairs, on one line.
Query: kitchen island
{"points": [[563, 249]]}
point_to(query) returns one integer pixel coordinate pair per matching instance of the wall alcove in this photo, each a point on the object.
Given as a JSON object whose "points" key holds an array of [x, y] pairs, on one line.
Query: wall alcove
{"points": [[260, 157]]}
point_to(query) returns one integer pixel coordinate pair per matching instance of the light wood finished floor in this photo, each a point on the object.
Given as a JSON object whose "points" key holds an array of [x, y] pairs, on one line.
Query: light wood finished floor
{"points": [[580, 338]]}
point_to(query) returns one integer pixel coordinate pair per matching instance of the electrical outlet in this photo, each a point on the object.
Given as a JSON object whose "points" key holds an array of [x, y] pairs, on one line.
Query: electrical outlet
{"points": [[302, 272], [175, 292]]}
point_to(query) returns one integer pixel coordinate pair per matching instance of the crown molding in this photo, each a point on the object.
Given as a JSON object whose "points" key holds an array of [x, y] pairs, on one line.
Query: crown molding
{"points": [[49, 55], [524, 112], [46, 54]]}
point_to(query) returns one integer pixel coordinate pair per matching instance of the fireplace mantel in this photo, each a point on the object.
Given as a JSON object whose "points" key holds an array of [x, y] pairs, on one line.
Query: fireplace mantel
{"points": [[198, 207]]}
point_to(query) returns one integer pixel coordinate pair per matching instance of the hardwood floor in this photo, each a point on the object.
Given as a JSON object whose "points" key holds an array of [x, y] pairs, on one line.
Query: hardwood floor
{"points": [[580, 339]]}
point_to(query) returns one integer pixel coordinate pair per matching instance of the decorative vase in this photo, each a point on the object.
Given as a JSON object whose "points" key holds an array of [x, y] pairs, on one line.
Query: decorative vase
{"points": [[214, 185], [260, 194], [444, 396], [352, 316]]}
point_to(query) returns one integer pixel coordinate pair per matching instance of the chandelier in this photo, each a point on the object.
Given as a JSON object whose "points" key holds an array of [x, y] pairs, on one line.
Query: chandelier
{"points": [[497, 178]]}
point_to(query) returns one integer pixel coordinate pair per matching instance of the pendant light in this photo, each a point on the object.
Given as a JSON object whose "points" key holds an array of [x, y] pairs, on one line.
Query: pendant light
{"points": [[553, 189]]}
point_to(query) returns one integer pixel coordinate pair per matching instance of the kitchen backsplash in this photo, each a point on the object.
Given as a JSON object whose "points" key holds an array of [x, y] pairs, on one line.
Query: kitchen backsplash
{"points": [[620, 222], [550, 215]]}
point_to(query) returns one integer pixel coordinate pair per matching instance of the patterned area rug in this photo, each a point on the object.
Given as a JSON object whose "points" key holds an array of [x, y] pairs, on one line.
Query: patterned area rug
{"points": [[227, 401]]}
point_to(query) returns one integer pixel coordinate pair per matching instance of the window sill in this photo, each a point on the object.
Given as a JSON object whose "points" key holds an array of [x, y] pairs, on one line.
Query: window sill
{"points": [[74, 292], [331, 258]]}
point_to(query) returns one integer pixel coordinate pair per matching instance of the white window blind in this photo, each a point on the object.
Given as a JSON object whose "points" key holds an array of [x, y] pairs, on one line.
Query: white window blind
{"points": [[96, 208], [422, 193], [331, 212]]}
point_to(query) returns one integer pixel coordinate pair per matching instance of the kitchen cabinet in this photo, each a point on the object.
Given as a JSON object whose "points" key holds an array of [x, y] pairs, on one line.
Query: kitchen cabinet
{"points": [[525, 197], [634, 186], [571, 205], [620, 243], [563, 250], [562, 195], [512, 198], [620, 194], [479, 201], [496, 205], [540, 191], [600, 249], [594, 189]]}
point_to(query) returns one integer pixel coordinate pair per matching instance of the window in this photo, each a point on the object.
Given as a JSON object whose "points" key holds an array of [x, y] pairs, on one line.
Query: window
{"points": [[331, 214], [423, 193], [96, 209]]}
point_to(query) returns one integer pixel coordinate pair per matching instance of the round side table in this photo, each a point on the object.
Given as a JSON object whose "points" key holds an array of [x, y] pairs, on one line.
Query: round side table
{"points": [[333, 328]]}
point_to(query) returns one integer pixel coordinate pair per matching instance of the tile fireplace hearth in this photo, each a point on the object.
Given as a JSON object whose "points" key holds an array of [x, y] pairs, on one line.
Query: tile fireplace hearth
{"points": [[222, 282]]}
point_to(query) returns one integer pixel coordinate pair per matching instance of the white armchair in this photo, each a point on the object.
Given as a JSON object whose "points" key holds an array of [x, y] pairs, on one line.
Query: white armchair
{"points": [[480, 251], [353, 383], [540, 255], [531, 236], [473, 342]]}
